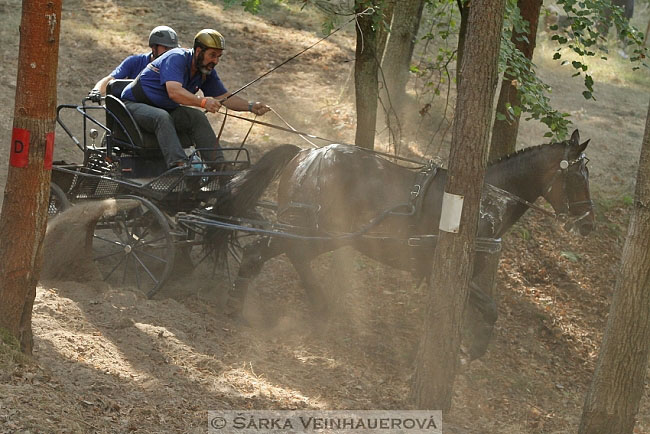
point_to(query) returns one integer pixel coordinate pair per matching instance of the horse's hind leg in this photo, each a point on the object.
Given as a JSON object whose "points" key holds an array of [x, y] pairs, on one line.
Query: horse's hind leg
{"points": [[301, 255], [253, 258]]}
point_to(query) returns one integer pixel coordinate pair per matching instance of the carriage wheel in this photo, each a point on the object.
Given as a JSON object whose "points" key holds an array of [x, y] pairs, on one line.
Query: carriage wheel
{"points": [[135, 247], [236, 245], [58, 201], [202, 256]]}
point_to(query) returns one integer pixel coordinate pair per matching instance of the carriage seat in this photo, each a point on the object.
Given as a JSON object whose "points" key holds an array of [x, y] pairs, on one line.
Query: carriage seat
{"points": [[141, 143]]}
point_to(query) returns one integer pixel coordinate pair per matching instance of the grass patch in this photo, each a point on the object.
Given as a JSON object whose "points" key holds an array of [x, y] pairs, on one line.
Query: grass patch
{"points": [[10, 353]]}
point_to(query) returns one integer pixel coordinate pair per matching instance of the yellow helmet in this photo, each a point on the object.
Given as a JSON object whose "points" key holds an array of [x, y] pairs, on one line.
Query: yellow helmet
{"points": [[209, 38]]}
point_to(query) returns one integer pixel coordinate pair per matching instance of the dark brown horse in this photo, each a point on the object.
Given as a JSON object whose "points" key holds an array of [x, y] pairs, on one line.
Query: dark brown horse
{"points": [[346, 195]]}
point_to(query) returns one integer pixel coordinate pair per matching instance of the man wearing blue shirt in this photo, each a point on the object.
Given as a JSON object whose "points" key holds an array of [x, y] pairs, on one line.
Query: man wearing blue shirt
{"points": [[162, 97], [161, 39]]}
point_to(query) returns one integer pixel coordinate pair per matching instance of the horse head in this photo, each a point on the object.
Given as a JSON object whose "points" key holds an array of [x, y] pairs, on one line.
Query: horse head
{"points": [[568, 190]]}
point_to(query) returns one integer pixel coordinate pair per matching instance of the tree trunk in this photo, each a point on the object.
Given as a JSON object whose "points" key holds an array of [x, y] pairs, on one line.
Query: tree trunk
{"points": [[627, 6], [504, 132], [463, 7], [385, 27], [396, 62], [366, 67], [437, 357], [612, 402], [24, 210]]}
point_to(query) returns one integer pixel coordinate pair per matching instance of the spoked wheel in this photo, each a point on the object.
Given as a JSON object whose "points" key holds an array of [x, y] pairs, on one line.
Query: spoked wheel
{"points": [[135, 247], [228, 266], [235, 254], [58, 201]]}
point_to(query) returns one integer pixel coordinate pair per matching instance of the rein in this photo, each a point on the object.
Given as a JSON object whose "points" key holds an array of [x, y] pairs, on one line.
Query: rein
{"points": [[565, 164], [522, 201], [312, 136]]}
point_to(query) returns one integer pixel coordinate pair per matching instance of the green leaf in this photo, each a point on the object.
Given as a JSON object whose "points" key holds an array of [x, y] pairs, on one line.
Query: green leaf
{"points": [[587, 94], [628, 200], [556, 56], [524, 233], [573, 257]]}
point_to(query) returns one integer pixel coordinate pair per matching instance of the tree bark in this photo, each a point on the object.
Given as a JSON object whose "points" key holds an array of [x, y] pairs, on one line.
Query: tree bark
{"points": [[366, 67], [504, 132], [24, 210], [437, 357], [463, 7], [385, 27], [613, 399], [396, 62]]}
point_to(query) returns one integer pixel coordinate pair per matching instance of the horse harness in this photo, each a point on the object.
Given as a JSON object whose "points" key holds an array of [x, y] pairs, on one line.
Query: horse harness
{"points": [[423, 180], [565, 164], [563, 170]]}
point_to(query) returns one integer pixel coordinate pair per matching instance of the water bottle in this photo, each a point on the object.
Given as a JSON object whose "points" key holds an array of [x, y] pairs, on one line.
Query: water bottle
{"points": [[197, 163]]}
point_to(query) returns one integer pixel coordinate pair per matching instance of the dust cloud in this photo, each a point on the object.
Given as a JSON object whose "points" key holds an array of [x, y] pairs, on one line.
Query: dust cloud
{"points": [[68, 240]]}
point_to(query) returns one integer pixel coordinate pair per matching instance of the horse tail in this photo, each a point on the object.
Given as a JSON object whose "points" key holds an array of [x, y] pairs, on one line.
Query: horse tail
{"points": [[244, 190], [240, 195]]}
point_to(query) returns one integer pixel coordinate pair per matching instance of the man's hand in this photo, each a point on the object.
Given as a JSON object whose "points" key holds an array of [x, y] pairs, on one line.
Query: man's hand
{"points": [[95, 96], [259, 108], [212, 105]]}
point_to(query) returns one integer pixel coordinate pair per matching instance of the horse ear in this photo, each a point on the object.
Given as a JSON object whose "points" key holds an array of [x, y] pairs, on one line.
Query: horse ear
{"points": [[575, 138], [583, 146]]}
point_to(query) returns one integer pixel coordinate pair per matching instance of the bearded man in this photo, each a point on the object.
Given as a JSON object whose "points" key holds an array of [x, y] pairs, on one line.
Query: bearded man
{"points": [[162, 99]]}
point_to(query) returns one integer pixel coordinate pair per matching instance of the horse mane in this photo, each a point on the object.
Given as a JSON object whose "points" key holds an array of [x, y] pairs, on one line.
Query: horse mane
{"points": [[530, 149]]}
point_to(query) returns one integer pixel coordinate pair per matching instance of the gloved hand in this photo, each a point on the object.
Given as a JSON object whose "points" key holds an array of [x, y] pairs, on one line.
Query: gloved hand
{"points": [[95, 96]]}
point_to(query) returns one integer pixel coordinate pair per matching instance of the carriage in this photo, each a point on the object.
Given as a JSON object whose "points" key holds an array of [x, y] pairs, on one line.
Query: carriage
{"points": [[138, 246], [392, 214]]}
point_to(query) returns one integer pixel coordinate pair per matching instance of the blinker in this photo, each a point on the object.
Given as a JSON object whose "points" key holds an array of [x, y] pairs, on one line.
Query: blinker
{"points": [[564, 164]]}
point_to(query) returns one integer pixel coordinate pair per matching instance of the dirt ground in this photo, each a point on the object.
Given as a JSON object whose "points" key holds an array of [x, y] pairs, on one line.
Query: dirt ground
{"points": [[107, 359]]}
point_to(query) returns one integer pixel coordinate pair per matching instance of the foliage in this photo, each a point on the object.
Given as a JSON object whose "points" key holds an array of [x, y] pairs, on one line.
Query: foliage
{"points": [[442, 25], [586, 25], [251, 6], [9, 349], [533, 92], [585, 30], [571, 256], [336, 9], [627, 200], [582, 34]]}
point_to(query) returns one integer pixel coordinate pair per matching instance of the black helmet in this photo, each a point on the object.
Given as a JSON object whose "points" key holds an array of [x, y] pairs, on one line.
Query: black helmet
{"points": [[208, 38], [163, 35]]}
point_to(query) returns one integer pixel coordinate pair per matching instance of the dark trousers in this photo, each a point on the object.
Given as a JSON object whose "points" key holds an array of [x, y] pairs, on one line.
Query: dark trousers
{"points": [[176, 129]]}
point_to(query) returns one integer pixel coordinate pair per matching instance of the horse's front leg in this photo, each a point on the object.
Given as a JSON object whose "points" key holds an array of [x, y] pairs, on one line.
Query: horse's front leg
{"points": [[483, 306], [254, 257]]}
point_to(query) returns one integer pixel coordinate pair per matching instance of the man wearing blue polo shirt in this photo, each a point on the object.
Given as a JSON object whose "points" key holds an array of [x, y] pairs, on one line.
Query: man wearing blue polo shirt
{"points": [[162, 97], [161, 39]]}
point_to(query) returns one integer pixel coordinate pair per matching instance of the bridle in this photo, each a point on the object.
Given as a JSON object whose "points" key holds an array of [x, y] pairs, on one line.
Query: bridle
{"points": [[564, 213]]}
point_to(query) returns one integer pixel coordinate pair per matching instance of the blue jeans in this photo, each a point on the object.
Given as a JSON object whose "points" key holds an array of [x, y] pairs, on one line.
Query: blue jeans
{"points": [[177, 129]]}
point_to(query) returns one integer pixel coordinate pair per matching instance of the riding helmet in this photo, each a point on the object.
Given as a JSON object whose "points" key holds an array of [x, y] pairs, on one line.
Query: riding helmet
{"points": [[163, 35], [209, 38]]}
